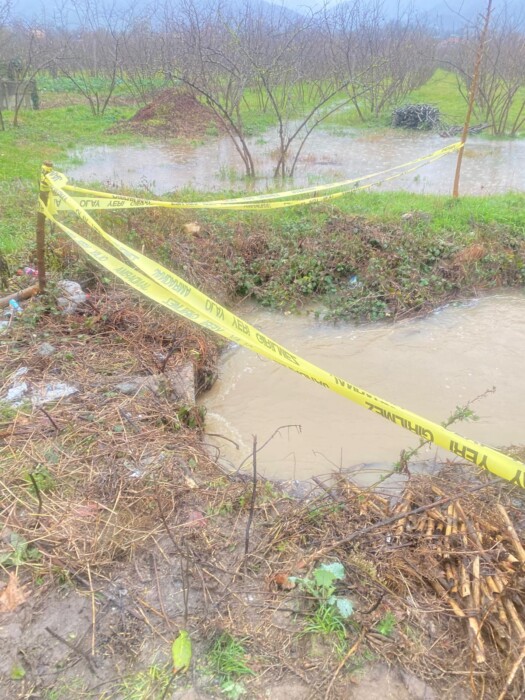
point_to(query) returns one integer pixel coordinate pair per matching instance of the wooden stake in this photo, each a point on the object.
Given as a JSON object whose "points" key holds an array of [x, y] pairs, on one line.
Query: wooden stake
{"points": [[43, 195], [476, 591], [442, 593], [513, 671], [477, 643], [472, 96]]}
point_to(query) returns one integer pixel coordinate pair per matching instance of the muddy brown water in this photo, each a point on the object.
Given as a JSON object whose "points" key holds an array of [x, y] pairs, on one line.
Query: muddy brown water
{"points": [[428, 365], [489, 167]]}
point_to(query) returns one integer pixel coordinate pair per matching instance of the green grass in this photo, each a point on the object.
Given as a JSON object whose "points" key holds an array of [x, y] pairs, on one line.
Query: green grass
{"points": [[227, 660], [44, 135], [145, 685], [441, 91], [48, 134], [444, 214], [436, 214]]}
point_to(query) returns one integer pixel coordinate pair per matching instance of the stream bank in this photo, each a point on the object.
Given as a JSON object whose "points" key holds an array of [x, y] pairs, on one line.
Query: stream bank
{"points": [[119, 531]]}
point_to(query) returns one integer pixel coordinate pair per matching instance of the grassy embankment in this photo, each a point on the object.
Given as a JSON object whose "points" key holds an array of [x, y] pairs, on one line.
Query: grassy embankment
{"points": [[386, 266]]}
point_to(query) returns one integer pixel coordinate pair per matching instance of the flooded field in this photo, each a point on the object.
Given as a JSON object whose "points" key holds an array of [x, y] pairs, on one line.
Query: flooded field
{"points": [[429, 365], [489, 167]]}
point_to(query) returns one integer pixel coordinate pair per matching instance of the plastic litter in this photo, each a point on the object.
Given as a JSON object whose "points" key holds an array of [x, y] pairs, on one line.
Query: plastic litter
{"points": [[46, 350], [73, 296], [24, 390], [15, 306]]}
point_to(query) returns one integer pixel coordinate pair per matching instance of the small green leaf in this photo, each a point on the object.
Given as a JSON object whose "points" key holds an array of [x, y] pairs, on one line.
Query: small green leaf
{"points": [[336, 569], [323, 578], [181, 652], [17, 673]]}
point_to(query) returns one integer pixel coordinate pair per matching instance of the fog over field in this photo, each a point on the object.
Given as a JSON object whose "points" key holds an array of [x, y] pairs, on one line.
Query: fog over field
{"points": [[451, 14]]}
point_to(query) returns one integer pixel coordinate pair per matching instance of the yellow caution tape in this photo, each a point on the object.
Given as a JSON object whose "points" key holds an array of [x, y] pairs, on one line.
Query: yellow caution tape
{"points": [[164, 287], [93, 199]]}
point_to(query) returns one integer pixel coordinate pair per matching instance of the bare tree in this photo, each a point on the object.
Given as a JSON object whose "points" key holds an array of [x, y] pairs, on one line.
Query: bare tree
{"points": [[500, 100], [324, 62], [141, 57], [202, 53], [5, 8], [30, 55], [4, 15], [91, 51], [241, 59]]}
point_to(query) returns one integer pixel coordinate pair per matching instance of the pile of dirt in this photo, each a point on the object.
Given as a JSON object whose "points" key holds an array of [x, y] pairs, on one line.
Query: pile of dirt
{"points": [[175, 113]]}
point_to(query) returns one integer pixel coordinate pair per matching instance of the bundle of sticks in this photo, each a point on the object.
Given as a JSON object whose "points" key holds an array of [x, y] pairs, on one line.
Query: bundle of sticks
{"points": [[469, 553]]}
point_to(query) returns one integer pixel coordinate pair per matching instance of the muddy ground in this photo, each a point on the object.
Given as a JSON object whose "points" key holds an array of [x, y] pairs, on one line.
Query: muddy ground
{"points": [[119, 529]]}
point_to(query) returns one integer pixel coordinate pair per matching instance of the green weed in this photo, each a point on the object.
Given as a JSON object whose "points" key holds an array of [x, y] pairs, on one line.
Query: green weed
{"points": [[145, 685], [387, 624], [20, 552], [40, 479], [330, 611], [73, 689], [326, 621], [460, 413], [7, 412], [228, 661]]}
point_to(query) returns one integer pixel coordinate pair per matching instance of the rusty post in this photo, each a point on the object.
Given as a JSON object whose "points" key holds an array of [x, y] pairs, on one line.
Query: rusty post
{"points": [[43, 195]]}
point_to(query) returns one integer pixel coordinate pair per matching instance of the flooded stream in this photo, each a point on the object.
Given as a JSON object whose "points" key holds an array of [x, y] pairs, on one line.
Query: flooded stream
{"points": [[428, 365], [489, 167]]}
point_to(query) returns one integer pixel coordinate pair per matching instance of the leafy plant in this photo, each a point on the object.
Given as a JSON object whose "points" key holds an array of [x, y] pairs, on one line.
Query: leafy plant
{"points": [[233, 689], [331, 610], [21, 552], [322, 586]]}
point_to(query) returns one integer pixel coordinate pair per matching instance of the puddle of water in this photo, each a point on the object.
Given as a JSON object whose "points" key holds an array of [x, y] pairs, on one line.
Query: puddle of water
{"points": [[489, 167], [428, 365]]}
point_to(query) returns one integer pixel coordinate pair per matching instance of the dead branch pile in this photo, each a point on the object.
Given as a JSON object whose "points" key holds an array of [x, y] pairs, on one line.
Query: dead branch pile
{"points": [[455, 130], [421, 116], [455, 549], [467, 551]]}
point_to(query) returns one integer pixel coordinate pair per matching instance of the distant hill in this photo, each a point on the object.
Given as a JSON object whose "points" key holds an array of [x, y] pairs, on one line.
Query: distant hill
{"points": [[449, 16], [40, 11]]}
